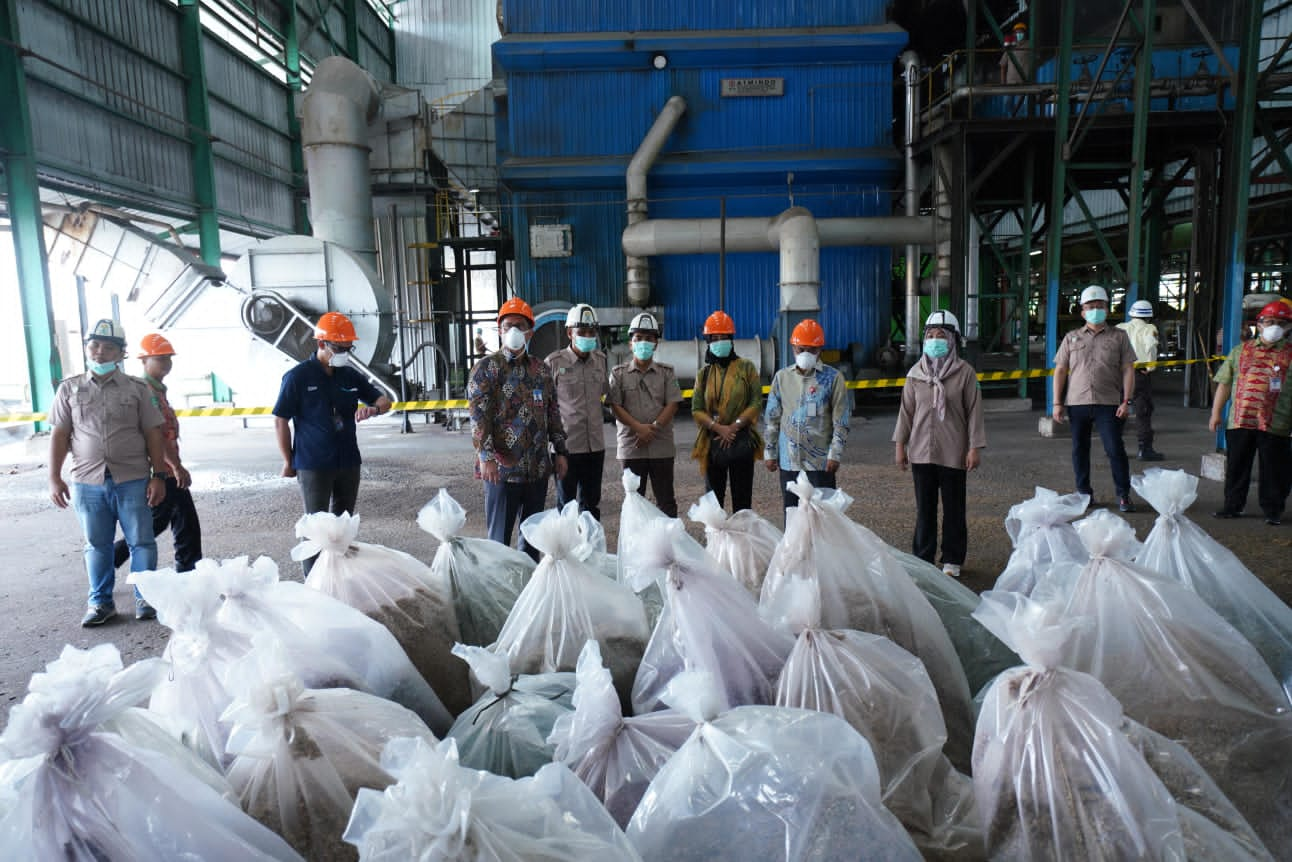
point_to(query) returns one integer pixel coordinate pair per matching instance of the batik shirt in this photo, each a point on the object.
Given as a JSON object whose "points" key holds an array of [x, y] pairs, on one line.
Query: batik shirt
{"points": [[1258, 373], [807, 418], [514, 413]]}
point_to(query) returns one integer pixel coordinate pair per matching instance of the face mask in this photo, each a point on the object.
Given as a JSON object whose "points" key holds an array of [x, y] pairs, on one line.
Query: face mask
{"points": [[936, 348], [513, 339], [721, 349], [643, 350], [102, 368], [339, 360], [805, 361], [585, 345], [1272, 333], [1095, 316]]}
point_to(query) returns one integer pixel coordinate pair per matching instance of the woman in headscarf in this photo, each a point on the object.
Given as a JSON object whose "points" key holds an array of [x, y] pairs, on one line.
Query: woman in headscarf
{"points": [[726, 404], [940, 436]]}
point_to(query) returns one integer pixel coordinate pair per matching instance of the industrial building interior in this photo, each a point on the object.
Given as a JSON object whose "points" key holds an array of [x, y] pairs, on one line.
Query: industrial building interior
{"points": [[228, 170]]}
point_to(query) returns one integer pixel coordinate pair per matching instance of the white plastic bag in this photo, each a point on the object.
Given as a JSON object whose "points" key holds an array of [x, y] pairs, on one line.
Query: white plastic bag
{"points": [[1042, 533], [742, 543], [568, 601], [765, 783], [506, 731], [485, 576], [863, 587], [84, 776], [1179, 668], [634, 515], [885, 694], [393, 588], [440, 811], [1182, 551], [616, 756], [302, 755], [709, 623]]}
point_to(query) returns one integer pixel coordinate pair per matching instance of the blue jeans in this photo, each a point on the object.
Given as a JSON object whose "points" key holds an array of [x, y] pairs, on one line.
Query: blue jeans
{"points": [[100, 508], [1103, 417], [507, 502]]}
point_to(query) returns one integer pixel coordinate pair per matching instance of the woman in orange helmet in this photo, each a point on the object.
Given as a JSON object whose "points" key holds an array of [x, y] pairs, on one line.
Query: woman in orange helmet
{"points": [[725, 405]]}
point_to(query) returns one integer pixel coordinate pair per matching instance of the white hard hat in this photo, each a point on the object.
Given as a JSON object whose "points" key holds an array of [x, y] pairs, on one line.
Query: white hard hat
{"points": [[644, 322], [1092, 293], [1141, 308], [581, 315], [943, 320]]}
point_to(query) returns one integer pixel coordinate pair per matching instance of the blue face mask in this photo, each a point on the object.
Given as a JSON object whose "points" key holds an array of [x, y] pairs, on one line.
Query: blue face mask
{"points": [[585, 344], [643, 350], [102, 368], [936, 348], [721, 349], [1095, 316]]}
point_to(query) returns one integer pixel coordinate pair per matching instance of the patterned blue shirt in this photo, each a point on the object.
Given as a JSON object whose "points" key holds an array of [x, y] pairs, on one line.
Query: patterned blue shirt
{"points": [[807, 418]]}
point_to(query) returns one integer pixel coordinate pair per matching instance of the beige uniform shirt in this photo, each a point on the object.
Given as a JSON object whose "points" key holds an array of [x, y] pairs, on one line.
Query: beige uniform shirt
{"points": [[643, 394], [945, 441], [581, 383], [1095, 361], [107, 419]]}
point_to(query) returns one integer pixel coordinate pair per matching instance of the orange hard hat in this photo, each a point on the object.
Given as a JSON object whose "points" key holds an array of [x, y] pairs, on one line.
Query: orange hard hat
{"points": [[334, 326], [719, 323], [516, 305], [155, 344], [808, 333], [1277, 309]]}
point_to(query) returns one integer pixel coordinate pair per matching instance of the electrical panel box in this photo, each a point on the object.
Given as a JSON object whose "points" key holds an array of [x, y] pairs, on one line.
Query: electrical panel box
{"points": [[550, 240]]}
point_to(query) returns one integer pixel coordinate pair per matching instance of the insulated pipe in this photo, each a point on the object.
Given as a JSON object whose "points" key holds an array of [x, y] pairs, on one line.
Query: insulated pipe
{"points": [[637, 277], [800, 260], [914, 326], [704, 236], [341, 101]]}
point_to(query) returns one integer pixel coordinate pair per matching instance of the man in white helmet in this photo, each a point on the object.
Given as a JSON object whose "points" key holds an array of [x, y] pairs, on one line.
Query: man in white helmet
{"points": [[644, 396], [1143, 336], [1094, 376], [582, 382]]}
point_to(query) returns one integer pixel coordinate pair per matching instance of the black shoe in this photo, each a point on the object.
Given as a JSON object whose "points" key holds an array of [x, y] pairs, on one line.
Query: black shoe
{"points": [[1124, 504], [1225, 514], [1273, 519], [1150, 454], [97, 616], [144, 611]]}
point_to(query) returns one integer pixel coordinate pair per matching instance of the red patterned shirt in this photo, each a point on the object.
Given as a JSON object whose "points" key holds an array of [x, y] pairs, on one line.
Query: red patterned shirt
{"points": [[1258, 373]]}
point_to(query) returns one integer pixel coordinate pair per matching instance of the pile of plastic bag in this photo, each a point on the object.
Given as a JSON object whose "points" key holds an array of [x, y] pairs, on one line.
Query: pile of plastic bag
{"points": [[741, 543], [1042, 534], [634, 516]]}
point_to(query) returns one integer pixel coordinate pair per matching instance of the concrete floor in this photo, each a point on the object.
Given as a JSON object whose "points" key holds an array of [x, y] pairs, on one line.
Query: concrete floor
{"points": [[246, 508]]}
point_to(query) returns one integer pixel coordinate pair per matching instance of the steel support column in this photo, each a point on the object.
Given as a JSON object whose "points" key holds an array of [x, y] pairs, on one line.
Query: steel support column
{"points": [[44, 366], [199, 130], [1139, 140], [295, 86], [1058, 184], [1025, 288], [350, 11]]}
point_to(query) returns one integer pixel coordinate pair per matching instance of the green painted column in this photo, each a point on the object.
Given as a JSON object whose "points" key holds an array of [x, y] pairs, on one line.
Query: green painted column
{"points": [[1139, 139], [44, 366], [1058, 188], [350, 9], [199, 131], [292, 60], [1237, 185]]}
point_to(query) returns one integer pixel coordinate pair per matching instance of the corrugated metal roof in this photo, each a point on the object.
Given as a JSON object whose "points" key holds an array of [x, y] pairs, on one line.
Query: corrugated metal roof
{"points": [[589, 16], [442, 46]]}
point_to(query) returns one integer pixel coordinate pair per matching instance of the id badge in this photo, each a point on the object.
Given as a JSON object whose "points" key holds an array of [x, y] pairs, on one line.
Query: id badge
{"points": [[538, 396], [812, 410], [338, 424], [1276, 384]]}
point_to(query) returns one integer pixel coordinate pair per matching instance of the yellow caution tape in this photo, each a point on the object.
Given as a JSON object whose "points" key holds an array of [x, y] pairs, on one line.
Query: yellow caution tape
{"points": [[463, 404]]}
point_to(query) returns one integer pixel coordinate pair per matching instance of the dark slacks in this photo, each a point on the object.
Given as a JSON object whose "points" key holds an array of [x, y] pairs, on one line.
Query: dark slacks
{"points": [[659, 472], [335, 491], [1275, 478], [1142, 402], [818, 478], [931, 482], [505, 502], [177, 513], [1102, 417], [741, 474], [582, 482]]}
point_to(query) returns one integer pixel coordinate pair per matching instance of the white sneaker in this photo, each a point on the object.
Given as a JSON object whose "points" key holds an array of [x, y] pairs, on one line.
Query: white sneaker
{"points": [[951, 569]]}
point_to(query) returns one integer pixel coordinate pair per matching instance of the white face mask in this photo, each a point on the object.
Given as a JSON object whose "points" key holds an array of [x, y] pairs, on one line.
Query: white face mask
{"points": [[513, 339], [1272, 333], [339, 360], [805, 361]]}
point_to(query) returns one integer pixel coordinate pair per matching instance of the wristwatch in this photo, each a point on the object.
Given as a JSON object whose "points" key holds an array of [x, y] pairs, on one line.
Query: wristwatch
{"points": [[161, 474]]}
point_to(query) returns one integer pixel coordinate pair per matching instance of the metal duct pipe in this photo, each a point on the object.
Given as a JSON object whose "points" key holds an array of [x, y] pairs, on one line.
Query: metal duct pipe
{"points": [[800, 260], [637, 278], [910, 73], [944, 170], [341, 101], [704, 236]]}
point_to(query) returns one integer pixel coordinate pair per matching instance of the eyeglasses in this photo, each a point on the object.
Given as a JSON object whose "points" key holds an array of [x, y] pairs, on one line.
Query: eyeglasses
{"points": [[522, 326], [339, 348]]}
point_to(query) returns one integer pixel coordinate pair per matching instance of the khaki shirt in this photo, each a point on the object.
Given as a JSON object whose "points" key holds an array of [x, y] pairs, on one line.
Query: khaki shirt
{"points": [[1095, 361], [581, 383], [644, 394], [946, 441], [107, 419]]}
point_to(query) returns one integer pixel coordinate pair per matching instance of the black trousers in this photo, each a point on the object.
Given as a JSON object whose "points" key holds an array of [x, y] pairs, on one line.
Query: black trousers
{"points": [[659, 472], [818, 478], [1241, 446], [932, 481], [177, 513], [741, 474], [1142, 402], [582, 482]]}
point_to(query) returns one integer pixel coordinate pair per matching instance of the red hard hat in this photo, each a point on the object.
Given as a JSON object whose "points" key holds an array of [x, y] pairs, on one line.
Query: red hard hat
{"points": [[808, 334], [1278, 309], [516, 305], [720, 323], [334, 326], [155, 344]]}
